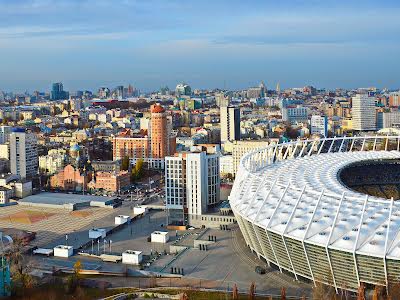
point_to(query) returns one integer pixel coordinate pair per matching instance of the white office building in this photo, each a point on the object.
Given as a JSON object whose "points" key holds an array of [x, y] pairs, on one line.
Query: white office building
{"points": [[295, 114], [23, 154], [363, 112], [319, 125], [390, 119], [230, 123], [192, 182]]}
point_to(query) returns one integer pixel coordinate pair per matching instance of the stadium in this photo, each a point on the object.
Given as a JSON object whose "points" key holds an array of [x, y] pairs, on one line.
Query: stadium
{"points": [[325, 209]]}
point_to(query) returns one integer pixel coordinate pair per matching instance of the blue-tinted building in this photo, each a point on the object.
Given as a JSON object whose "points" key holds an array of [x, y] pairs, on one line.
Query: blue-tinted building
{"points": [[57, 92]]}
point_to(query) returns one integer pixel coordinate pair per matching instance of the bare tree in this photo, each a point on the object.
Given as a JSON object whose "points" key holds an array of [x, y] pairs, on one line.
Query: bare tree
{"points": [[252, 291], [19, 264], [361, 292], [283, 294], [235, 293]]}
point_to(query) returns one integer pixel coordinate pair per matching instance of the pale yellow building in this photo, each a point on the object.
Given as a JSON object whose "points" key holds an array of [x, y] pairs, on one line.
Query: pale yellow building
{"points": [[240, 148]]}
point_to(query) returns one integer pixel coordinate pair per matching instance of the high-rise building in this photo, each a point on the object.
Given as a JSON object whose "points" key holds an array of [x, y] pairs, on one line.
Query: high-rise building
{"points": [[221, 99], [159, 132], [104, 92], [57, 92], [257, 92], [363, 112], [183, 89], [153, 146], [394, 99], [319, 125], [230, 123], [23, 154], [192, 182]]}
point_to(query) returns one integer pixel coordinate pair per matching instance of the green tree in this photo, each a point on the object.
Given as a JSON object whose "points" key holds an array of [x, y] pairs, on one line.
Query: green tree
{"points": [[139, 168], [133, 175], [77, 268], [125, 163], [137, 171]]}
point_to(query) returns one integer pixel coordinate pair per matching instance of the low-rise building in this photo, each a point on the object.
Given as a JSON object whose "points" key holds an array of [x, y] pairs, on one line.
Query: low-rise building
{"points": [[70, 179], [106, 165], [132, 257], [5, 195], [111, 181], [51, 163], [160, 237]]}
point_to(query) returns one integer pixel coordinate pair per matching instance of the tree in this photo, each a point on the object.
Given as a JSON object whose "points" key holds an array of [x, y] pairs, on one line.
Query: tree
{"points": [[375, 295], [252, 291], [183, 296], [19, 265], [283, 294], [125, 163], [361, 292], [133, 175], [6, 120], [235, 293], [77, 268], [137, 171], [139, 168]]}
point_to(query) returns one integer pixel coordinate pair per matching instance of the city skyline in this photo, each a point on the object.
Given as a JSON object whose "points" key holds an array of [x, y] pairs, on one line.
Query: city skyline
{"points": [[88, 44]]}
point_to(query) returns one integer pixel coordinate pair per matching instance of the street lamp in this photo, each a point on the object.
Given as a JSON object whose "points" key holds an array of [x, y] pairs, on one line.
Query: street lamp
{"points": [[137, 193]]}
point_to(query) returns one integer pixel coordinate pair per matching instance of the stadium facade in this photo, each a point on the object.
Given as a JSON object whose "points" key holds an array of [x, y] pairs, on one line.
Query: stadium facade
{"points": [[294, 211]]}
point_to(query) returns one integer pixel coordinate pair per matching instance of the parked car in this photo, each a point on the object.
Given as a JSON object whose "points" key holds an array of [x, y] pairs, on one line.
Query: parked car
{"points": [[260, 270]]}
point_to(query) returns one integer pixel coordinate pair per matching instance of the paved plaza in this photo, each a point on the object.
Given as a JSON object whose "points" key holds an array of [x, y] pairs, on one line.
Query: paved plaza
{"points": [[52, 224], [228, 261]]}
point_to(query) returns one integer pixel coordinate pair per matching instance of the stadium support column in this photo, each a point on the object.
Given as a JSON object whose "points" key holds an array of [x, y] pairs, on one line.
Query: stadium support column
{"points": [[341, 144], [386, 243], [329, 239], [269, 222], [357, 237], [311, 148], [286, 226], [363, 144], [332, 143], [256, 217], [373, 149], [294, 150], [386, 142], [303, 148], [322, 145], [305, 234]]}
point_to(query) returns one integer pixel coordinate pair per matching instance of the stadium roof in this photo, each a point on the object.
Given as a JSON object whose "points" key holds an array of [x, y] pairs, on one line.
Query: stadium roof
{"points": [[303, 199]]}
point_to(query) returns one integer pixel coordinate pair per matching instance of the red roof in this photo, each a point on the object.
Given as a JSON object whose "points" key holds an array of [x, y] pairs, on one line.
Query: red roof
{"points": [[157, 108]]}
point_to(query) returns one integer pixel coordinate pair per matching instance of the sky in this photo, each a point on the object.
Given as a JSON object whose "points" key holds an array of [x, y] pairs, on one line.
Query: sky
{"points": [[209, 44]]}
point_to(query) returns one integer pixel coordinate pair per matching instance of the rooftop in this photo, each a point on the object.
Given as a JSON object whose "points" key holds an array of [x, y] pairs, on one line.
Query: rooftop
{"points": [[61, 199]]}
